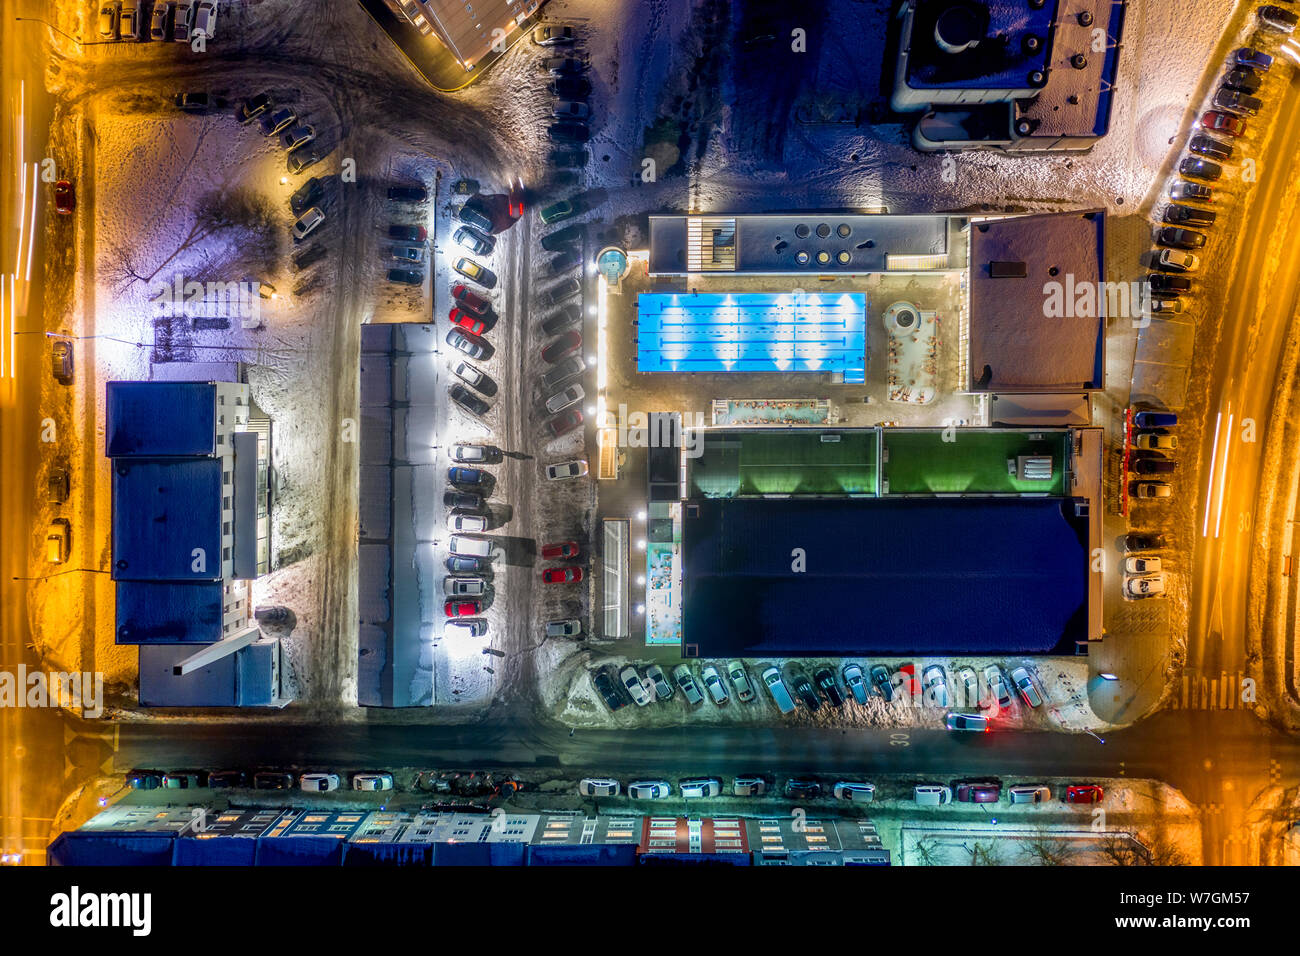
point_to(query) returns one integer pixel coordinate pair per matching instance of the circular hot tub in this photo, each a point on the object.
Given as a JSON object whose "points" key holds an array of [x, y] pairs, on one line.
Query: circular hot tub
{"points": [[902, 318]]}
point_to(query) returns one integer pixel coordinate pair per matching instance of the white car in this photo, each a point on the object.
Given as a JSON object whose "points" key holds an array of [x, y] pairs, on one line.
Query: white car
{"points": [[854, 681], [158, 22], [599, 787], [1025, 684], [130, 20], [566, 469], [1135, 564], [1150, 585], [308, 221], [686, 681], [740, 680], [562, 400], [459, 586], [998, 690], [855, 792], [372, 781], [934, 686], [108, 14], [1152, 489], [749, 787], [466, 523], [319, 782], [182, 21], [1178, 260], [663, 688], [1157, 442], [469, 374], [205, 18], [1030, 793], [631, 680], [699, 787], [931, 795], [567, 627], [464, 630], [466, 454], [977, 723], [713, 683], [649, 789], [776, 687]]}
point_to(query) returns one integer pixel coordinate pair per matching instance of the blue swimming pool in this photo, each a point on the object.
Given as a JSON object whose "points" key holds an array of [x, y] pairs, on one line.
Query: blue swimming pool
{"points": [[753, 332]]}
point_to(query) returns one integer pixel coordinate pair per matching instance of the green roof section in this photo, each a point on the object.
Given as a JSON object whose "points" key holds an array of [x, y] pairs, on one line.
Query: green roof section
{"points": [[972, 461], [784, 461]]}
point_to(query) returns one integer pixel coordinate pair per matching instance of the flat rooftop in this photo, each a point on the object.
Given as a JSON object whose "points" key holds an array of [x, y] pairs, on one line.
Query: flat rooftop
{"points": [[884, 576]]}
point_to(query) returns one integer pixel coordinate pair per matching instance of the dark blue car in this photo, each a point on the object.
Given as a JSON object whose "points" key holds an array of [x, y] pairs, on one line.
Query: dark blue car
{"points": [[465, 476], [1254, 59]]}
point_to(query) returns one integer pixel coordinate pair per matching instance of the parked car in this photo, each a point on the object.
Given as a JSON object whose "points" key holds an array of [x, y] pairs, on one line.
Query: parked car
{"points": [[931, 795], [272, 780], [976, 723], [1252, 58], [205, 18], [1152, 489], [978, 792], [1238, 101], [568, 158], [308, 221], [1150, 585], [464, 629], [227, 779], [697, 788], [1243, 78], [457, 563], [568, 132], [748, 787], [252, 107], [280, 120], [467, 400], [934, 686], [1025, 685], [560, 550], [1204, 145], [1199, 168], [61, 363], [158, 22], [804, 690], [407, 193], [649, 789], [1276, 19], [1154, 465], [1163, 282], [1084, 793], [825, 681], [462, 341], [999, 693], [561, 400], [462, 499], [598, 787], [182, 21], [1178, 214], [569, 87], [562, 238], [552, 34], [604, 685], [475, 272], [469, 301], [319, 782], [476, 216], [659, 681], [1171, 306], [564, 370], [883, 681], [466, 522], [469, 453], [1177, 260], [65, 197], [776, 687], [562, 347], [1149, 419], [564, 262], [470, 323], [298, 136], [854, 792], [568, 316], [559, 292], [798, 789], [476, 242], [144, 780], [740, 681], [1156, 441], [1178, 238], [307, 195], [569, 574], [58, 485], [853, 680], [559, 65], [631, 681], [686, 681], [1142, 542], [564, 422], [462, 608], [714, 685], [1029, 793], [372, 782], [406, 233], [567, 627], [108, 18], [406, 276], [566, 469], [471, 376], [1145, 564], [1218, 121], [184, 780], [970, 687], [570, 110]]}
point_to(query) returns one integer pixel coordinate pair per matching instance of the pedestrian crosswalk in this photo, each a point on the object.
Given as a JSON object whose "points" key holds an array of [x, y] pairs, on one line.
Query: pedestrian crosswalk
{"points": [[1198, 692]]}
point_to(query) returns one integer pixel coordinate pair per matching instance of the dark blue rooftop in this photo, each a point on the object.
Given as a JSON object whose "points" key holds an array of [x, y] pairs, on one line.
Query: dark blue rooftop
{"points": [[162, 511], [998, 61], [152, 612], [893, 576], [157, 419]]}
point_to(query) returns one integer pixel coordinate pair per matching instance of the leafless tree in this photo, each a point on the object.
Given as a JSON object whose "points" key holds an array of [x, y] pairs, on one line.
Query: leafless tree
{"points": [[927, 852], [1122, 850], [1045, 851], [986, 854]]}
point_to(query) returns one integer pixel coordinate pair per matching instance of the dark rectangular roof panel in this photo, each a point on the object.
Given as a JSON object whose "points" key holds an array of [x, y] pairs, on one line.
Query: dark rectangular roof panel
{"points": [[920, 576], [999, 59], [151, 612], [164, 513], [156, 419]]}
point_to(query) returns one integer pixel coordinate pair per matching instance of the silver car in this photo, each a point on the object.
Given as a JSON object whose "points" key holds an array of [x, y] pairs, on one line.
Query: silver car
{"points": [[631, 680], [998, 689], [649, 789], [1025, 684], [686, 681], [698, 787], [454, 586], [567, 627], [749, 787], [663, 689], [1030, 793], [776, 687], [740, 680], [713, 682], [854, 681], [599, 787], [855, 792]]}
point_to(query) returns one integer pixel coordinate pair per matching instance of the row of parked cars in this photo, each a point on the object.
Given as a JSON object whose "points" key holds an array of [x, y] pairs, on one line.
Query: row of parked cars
{"points": [[1147, 460], [470, 556], [570, 110], [313, 781], [407, 257], [925, 794], [179, 20]]}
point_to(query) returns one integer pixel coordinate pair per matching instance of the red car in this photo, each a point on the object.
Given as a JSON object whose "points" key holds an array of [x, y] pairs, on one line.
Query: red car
{"points": [[468, 301], [560, 549], [564, 346], [562, 575], [65, 197], [467, 321], [1083, 793], [565, 422], [462, 608], [1222, 122]]}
